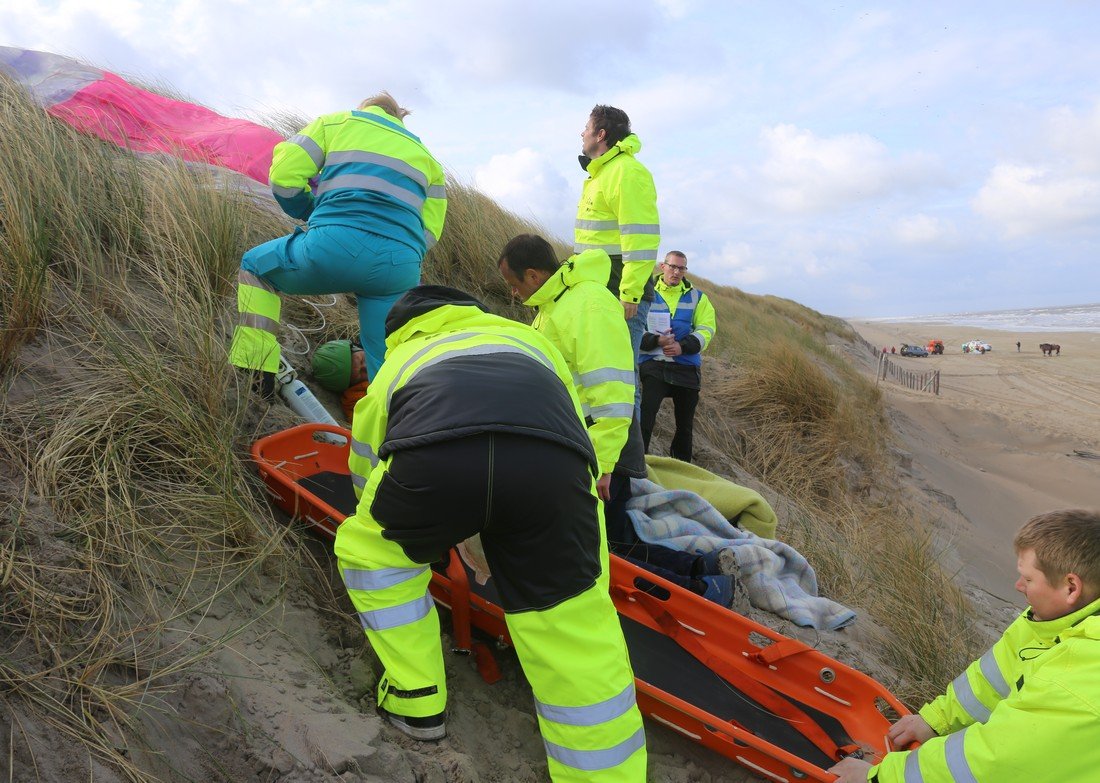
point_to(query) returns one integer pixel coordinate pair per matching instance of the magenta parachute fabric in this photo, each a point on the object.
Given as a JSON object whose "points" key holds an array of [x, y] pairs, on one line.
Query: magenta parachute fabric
{"points": [[105, 105]]}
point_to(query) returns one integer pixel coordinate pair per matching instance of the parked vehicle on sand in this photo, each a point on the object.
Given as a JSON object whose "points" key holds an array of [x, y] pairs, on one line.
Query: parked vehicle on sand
{"points": [[912, 350], [977, 346], [935, 346]]}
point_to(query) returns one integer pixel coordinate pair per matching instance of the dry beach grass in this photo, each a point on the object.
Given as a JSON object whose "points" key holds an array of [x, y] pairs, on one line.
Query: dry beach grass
{"points": [[158, 621]]}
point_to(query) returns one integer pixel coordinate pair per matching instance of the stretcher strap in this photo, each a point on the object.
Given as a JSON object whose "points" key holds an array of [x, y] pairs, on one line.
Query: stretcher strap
{"points": [[760, 693]]}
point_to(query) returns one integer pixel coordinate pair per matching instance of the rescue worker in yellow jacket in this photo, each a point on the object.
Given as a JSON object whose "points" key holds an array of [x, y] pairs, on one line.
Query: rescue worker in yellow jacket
{"points": [[472, 426], [617, 213], [583, 321], [1029, 709], [671, 362], [374, 199]]}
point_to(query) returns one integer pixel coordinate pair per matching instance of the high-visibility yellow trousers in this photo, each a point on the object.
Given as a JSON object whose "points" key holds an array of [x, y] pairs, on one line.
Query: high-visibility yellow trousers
{"points": [[564, 626]]}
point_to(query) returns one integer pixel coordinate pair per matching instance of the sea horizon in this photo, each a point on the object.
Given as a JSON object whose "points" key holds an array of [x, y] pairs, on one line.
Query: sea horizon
{"points": [[1062, 318]]}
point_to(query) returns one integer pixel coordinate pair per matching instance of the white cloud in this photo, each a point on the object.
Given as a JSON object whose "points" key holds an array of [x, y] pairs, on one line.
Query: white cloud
{"points": [[921, 229], [1073, 137], [527, 183], [805, 173], [1025, 200], [732, 263]]}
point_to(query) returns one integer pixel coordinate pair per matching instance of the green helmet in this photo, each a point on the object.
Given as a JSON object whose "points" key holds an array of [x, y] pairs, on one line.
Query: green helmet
{"points": [[332, 365]]}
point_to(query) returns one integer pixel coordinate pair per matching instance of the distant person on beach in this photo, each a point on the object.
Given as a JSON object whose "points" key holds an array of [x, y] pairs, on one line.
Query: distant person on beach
{"points": [[671, 362], [1017, 346], [617, 213], [893, 349], [373, 198], [1029, 709], [472, 426]]}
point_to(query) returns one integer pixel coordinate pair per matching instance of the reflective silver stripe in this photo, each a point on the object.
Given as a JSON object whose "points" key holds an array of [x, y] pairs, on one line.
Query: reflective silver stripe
{"points": [[385, 161], [640, 255], [259, 322], [955, 755], [380, 578], [968, 700], [611, 250], [285, 191], [596, 225], [992, 672], [640, 228], [592, 760], [546, 361], [316, 154], [603, 375], [702, 337], [416, 356], [364, 450], [912, 769], [585, 410], [367, 182], [358, 481], [478, 350], [613, 410], [437, 191], [396, 616], [429, 239], [590, 714], [685, 306], [247, 278]]}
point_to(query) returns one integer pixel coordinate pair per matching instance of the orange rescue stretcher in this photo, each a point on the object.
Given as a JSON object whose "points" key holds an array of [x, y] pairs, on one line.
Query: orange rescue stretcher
{"points": [[776, 706]]}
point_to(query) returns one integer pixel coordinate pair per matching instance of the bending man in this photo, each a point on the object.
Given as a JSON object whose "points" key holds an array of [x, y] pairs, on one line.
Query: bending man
{"points": [[472, 426], [379, 206]]}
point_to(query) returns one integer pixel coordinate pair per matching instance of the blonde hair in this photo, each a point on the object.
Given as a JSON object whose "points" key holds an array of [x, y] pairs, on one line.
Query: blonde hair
{"points": [[386, 103], [1064, 542]]}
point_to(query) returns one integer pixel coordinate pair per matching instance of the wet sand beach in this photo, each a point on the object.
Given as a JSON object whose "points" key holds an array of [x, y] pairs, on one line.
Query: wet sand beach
{"points": [[1012, 434]]}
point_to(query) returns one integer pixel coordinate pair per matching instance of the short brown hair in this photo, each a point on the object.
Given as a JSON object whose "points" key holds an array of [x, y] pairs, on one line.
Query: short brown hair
{"points": [[612, 121], [1064, 542], [386, 103]]}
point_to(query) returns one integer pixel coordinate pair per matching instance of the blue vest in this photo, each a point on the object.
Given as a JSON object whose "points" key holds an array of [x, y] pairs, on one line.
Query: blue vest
{"points": [[681, 326]]}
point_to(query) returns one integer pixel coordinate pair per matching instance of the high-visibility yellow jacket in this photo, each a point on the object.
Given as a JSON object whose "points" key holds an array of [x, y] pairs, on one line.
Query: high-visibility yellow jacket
{"points": [[370, 173], [1028, 710], [505, 366], [585, 322], [618, 214]]}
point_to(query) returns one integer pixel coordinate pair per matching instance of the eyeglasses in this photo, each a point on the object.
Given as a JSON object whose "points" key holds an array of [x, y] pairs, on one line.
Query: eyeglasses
{"points": [[674, 267]]}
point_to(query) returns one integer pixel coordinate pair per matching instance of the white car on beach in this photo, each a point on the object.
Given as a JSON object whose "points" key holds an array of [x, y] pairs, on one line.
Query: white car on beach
{"points": [[976, 346]]}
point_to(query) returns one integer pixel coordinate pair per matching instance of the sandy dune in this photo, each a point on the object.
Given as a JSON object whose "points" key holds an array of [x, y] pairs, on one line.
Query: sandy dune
{"points": [[1010, 435]]}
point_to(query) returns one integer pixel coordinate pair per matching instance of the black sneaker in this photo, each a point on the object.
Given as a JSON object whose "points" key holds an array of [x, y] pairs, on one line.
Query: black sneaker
{"points": [[430, 728]]}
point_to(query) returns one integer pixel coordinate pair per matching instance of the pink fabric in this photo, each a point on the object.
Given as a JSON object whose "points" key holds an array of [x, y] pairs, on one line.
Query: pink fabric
{"points": [[136, 119]]}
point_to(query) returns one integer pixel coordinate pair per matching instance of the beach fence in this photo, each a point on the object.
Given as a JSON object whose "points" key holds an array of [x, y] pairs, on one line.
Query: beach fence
{"points": [[920, 381]]}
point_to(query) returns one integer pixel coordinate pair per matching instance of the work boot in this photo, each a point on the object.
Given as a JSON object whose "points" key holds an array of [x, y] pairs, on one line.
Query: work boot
{"points": [[263, 384], [721, 561], [719, 589], [429, 729]]}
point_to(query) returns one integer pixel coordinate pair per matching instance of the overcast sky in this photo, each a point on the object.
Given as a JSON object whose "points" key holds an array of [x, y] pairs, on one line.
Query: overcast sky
{"points": [[864, 159]]}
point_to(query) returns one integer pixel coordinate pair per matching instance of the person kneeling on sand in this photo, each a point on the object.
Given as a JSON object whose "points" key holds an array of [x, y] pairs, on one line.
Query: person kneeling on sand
{"points": [[1029, 709]]}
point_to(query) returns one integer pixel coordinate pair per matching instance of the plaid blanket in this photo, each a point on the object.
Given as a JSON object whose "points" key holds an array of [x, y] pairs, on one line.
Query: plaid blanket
{"points": [[777, 578]]}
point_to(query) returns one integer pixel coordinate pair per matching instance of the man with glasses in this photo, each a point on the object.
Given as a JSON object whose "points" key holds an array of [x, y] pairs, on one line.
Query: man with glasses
{"points": [[681, 324]]}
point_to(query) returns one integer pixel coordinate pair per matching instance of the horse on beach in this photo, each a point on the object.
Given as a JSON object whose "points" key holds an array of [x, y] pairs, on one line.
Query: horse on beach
{"points": [[1050, 349]]}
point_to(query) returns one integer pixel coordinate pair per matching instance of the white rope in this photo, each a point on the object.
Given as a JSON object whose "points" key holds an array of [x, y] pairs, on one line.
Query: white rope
{"points": [[297, 334]]}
